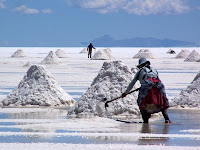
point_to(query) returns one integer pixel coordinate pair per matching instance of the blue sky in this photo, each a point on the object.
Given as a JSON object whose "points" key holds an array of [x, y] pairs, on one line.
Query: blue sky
{"points": [[70, 22]]}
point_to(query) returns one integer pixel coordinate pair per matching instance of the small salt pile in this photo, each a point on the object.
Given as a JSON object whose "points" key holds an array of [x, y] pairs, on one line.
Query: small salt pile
{"points": [[102, 54], [111, 82], [51, 59], [189, 98], [144, 53], [38, 88], [193, 57], [171, 51], [108, 53], [84, 51], [19, 54], [61, 53], [183, 54]]}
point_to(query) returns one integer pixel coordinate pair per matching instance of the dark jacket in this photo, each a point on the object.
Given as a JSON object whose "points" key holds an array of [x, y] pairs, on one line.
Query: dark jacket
{"points": [[90, 47]]}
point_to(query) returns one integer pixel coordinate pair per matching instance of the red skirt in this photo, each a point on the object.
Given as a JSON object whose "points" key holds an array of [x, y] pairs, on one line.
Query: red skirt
{"points": [[153, 98]]}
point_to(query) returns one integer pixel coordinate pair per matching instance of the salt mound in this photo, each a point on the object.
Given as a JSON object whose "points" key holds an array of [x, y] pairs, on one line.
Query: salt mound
{"points": [[102, 54], [183, 54], [197, 77], [19, 54], [194, 56], [144, 53], [108, 53], [38, 87], [171, 51], [61, 53], [84, 51], [51, 58], [111, 82], [190, 96]]}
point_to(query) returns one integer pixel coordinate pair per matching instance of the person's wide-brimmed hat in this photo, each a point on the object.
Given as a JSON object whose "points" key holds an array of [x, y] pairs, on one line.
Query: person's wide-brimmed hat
{"points": [[142, 62]]}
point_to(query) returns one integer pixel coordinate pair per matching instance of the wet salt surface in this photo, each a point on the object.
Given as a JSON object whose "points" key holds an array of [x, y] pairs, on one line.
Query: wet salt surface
{"points": [[4, 93], [156, 132], [184, 120]]}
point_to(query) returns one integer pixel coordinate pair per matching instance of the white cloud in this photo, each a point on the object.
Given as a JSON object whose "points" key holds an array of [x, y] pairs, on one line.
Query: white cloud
{"points": [[47, 11], [2, 5], [137, 7], [104, 6], [25, 10], [147, 7]]}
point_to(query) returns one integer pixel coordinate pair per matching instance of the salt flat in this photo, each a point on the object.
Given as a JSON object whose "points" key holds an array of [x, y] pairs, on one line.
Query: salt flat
{"points": [[79, 71], [75, 75]]}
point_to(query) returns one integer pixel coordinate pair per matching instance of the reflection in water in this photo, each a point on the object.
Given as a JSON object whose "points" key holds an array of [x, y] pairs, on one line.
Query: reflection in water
{"points": [[44, 114], [154, 128], [124, 128], [115, 139], [148, 128], [160, 128], [39, 115], [51, 121]]}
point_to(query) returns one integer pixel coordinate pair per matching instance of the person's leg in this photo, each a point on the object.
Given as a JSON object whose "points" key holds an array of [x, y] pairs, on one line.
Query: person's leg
{"points": [[165, 115], [90, 53], [145, 116]]}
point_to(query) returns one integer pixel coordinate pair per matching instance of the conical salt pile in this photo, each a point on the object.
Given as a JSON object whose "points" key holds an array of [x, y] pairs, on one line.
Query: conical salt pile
{"points": [[61, 53], [144, 53], [84, 51], [183, 54], [103, 54], [111, 82], [38, 87], [194, 56], [171, 51], [19, 54], [108, 53], [51, 59], [100, 55], [190, 96]]}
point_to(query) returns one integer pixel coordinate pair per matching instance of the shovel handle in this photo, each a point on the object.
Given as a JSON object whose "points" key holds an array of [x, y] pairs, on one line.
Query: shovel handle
{"points": [[121, 96]]}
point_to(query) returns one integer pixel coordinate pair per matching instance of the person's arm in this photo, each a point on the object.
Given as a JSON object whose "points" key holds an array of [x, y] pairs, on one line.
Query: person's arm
{"points": [[132, 83]]}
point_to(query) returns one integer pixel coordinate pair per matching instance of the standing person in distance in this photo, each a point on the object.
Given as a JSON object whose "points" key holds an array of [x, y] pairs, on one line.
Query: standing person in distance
{"points": [[152, 97], [89, 49]]}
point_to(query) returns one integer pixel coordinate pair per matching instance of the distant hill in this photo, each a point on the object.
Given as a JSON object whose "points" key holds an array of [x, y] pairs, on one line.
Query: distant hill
{"points": [[108, 41]]}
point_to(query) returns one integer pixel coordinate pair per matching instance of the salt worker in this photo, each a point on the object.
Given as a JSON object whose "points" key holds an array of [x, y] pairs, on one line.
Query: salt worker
{"points": [[152, 96], [89, 49]]}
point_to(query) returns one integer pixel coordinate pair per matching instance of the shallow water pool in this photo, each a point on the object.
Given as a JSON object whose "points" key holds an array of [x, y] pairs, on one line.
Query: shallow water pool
{"points": [[156, 132]]}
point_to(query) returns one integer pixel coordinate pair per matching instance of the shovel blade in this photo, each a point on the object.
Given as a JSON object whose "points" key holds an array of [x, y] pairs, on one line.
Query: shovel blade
{"points": [[106, 105], [100, 109]]}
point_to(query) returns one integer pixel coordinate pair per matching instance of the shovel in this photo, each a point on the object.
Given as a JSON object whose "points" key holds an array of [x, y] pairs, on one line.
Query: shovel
{"points": [[103, 110]]}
